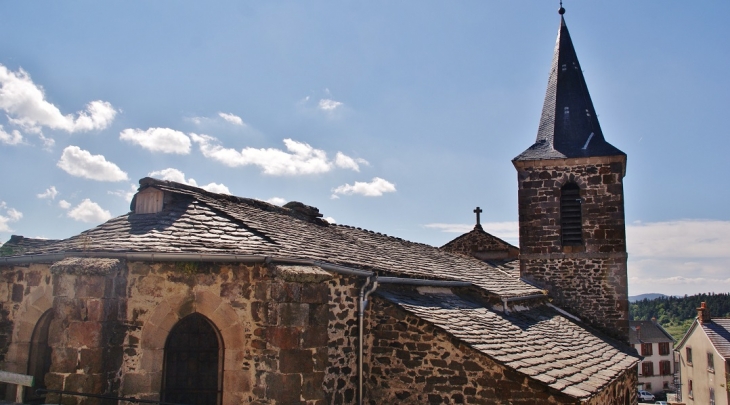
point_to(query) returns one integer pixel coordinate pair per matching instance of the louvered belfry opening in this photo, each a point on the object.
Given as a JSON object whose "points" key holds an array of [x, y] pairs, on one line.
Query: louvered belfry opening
{"points": [[193, 363], [571, 218]]}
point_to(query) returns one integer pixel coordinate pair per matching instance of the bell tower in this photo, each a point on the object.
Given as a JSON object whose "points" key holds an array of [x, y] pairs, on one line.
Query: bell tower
{"points": [[571, 203]]}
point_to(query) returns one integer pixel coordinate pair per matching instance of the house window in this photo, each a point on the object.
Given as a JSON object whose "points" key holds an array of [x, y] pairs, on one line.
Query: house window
{"points": [[571, 217], [39, 356], [664, 348], [647, 387], [193, 362], [665, 367], [689, 389], [666, 385], [710, 362], [688, 351], [647, 369], [646, 349], [712, 396]]}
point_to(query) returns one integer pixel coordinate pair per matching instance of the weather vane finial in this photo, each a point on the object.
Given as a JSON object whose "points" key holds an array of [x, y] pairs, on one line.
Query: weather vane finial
{"points": [[561, 10]]}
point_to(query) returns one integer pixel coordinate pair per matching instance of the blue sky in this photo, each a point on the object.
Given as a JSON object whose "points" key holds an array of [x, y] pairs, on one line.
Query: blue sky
{"points": [[399, 117]]}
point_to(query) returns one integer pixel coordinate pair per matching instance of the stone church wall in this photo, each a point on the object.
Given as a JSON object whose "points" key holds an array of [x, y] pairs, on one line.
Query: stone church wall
{"points": [[25, 295], [112, 319], [410, 361], [589, 280]]}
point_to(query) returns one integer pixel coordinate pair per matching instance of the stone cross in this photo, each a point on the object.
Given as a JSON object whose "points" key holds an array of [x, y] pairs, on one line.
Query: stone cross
{"points": [[478, 211]]}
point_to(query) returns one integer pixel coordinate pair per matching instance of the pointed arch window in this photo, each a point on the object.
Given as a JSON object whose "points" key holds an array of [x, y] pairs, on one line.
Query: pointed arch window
{"points": [[571, 216], [193, 370], [39, 355]]}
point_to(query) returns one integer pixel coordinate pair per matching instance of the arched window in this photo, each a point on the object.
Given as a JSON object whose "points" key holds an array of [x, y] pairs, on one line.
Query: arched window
{"points": [[39, 356], [193, 363], [571, 218]]}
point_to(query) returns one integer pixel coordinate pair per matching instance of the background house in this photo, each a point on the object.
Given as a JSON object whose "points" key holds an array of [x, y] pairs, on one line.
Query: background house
{"points": [[656, 345]]}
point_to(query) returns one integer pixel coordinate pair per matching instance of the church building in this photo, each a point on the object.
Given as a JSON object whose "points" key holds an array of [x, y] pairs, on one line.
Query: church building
{"points": [[194, 297]]}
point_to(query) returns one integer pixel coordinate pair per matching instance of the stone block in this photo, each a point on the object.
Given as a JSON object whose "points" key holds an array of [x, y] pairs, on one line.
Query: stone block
{"points": [[91, 361], [17, 293], [233, 337], [64, 360], [315, 336], [90, 287], [84, 334], [293, 314], [296, 361], [224, 316], [136, 383], [151, 360], [313, 386], [286, 292], [237, 380], [284, 388], [150, 286], [206, 302], [233, 359], [284, 337]]}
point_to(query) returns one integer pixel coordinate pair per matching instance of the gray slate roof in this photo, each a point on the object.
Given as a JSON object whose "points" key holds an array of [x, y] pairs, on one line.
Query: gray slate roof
{"points": [[197, 221], [563, 133], [649, 333], [540, 342], [718, 331]]}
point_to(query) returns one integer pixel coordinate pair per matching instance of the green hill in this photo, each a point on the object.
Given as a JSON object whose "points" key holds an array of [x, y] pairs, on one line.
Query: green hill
{"points": [[676, 314]]}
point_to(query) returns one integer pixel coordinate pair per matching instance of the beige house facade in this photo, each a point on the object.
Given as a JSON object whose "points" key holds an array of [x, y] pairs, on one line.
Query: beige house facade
{"points": [[704, 354], [656, 346]]}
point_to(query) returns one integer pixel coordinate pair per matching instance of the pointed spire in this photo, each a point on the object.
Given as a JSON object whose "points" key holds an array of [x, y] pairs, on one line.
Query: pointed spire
{"points": [[568, 126]]}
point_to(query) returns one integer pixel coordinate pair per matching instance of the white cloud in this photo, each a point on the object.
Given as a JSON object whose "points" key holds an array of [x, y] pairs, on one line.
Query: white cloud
{"points": [[215, 188], [450, 228], [679, 257], [301, 158], [163, 140], [276, 201], [346, 162], [49, 193], [26, 106], [127, 194], [375, 188], [171, 174], [330, 220], [509, 231], [80, 163], [11, 215], [10, 138], [89, 211], [64, 204], [14, 214], [329, 105], [233, 119]]}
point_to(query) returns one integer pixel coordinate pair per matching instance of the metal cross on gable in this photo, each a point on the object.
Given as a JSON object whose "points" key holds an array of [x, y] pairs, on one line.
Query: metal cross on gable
{"points": [[478, 211]]}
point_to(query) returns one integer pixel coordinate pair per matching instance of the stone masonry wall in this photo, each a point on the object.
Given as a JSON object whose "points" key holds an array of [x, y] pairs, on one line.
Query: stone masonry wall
{"points": [[272, 320], [590, 280], [341, 376], [412, 362], [87, 329], [25, 294]]}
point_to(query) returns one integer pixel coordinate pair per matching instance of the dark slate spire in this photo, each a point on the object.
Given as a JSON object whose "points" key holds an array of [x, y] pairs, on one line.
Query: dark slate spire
{"points": [[568, 127]]}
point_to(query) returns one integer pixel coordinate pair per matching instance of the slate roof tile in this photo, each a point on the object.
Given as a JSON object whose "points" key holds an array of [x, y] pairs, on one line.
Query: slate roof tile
{"points": [[520, 340], [193, 219]]}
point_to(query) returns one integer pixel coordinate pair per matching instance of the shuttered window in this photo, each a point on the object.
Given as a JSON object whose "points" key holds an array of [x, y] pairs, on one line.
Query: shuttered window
{"points": [[571, 218], [665, 367], [647, 368]]}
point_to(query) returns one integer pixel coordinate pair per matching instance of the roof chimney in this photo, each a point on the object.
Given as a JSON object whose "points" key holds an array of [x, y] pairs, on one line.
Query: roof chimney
{"points": [[638, 333], [703, 313], [653, 320]]}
